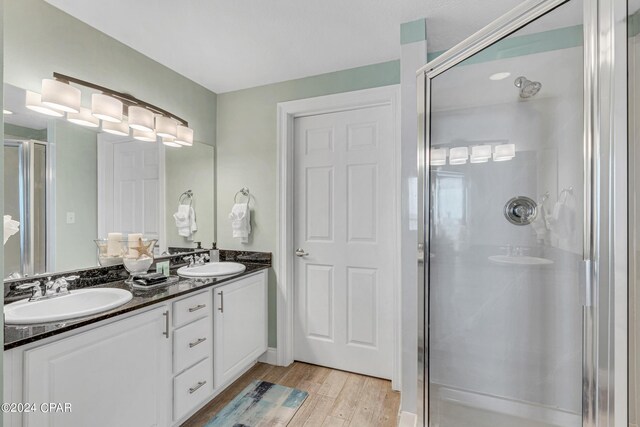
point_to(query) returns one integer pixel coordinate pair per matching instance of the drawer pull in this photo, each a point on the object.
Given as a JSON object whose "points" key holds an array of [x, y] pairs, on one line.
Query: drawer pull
{"points": [[221, 308], [196, 387], [196, 342], [166, 324], [197, 307]]}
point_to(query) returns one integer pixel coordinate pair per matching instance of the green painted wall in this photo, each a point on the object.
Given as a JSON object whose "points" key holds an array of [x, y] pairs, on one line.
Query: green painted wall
{"points": [[76, 183], [22, 132], [246, 151]]}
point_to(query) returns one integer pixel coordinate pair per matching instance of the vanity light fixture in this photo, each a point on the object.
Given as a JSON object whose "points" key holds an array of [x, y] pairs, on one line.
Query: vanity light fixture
{"points": [[166, 127], [458, 155], [61, 96], [438, 156], [480, 153], [120, 129], [504, 152], [106, 108], [83, 118], [33, 101], [170, 142], [185, 136], [140, 119], [141, 135]]}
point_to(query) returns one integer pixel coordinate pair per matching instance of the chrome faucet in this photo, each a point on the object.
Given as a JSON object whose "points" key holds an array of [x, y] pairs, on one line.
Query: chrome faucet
{"points": [[190, 260], [36, 290], [201, 259], [52, 288]]}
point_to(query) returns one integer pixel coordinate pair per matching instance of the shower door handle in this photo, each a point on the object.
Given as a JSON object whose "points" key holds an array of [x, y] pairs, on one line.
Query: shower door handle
{"points": [[586, 283]]}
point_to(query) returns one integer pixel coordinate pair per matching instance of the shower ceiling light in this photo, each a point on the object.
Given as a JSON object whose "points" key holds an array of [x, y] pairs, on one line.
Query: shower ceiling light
{"points": [[504, 152], [106, 108], [480, 153], [141, 135], [33, 102], [458, 155], [499, 76], [185, 136], [140, 119], [83, 118], [166, 127], [61, 96], [120, 129], [438, 156]]}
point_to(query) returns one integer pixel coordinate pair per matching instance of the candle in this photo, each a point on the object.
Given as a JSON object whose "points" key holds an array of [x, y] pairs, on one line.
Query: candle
{"points": [[114, 247]]}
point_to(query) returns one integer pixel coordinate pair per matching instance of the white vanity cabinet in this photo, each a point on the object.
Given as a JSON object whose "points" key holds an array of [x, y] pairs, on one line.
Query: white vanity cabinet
{"points": [[114, 375], [240, 326]]}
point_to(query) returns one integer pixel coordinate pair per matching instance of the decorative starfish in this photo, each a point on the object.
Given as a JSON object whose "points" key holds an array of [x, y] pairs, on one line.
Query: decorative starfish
{"points": [[142, 248]]}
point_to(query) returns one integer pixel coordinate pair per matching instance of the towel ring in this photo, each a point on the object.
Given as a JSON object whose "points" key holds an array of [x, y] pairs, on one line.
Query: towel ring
{"points": [[186, 195], [243, 191]]}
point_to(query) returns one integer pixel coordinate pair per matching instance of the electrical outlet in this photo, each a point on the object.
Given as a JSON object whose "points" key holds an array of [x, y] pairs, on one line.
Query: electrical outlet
{"points": [[71, 217]]}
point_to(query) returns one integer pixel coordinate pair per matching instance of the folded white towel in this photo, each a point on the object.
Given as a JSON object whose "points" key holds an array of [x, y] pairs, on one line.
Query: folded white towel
{"points": [[185, 219], [11, 227], [240, 217]]}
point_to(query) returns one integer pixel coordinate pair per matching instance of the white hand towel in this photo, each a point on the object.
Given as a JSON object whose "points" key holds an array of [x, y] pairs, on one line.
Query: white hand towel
{"points": [[11, 227], [240, 217], [186, 221]]}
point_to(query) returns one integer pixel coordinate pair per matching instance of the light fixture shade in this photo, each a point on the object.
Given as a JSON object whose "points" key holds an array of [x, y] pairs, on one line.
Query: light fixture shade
{"points": [[185, 136], [7, 112], [504, 152], [120, 129], [141, 135], [480, 153], [438, 156], [140, 119], [33, 102], [61, 96], [170, 142], [458, 155], [83, 118], [106, 108], [166, 127]]}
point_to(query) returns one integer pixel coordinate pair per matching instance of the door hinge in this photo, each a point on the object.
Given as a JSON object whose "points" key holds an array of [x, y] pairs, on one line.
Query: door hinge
{"points": [[586, 283]]}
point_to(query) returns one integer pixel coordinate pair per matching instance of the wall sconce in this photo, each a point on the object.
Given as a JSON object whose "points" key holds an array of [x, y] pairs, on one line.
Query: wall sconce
{"points": [[438, 156], [458, 155], [480, 153], [504, 152]]}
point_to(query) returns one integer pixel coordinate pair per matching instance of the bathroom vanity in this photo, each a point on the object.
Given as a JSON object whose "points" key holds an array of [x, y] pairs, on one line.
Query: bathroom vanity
{"points": [[152, 362]]}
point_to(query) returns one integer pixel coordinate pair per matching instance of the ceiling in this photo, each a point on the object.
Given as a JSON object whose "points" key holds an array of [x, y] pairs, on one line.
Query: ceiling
{"points": [[227, 45]]}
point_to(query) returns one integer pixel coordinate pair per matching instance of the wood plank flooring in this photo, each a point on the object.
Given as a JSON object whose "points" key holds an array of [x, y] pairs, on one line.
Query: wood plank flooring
{"points": [[336, 398]]}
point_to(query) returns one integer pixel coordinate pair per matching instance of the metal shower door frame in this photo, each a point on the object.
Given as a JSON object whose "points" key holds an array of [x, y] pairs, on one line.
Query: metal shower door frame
{"points": [[603, 123]]}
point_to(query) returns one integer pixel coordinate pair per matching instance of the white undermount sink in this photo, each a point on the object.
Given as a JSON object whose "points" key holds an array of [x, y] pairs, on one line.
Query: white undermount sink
{"points": [[212, 269], [519, 260], [78, 303]]}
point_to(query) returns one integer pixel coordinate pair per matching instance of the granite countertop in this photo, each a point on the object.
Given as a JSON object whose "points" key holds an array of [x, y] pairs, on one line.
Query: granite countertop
{"points": [[18, 335]]}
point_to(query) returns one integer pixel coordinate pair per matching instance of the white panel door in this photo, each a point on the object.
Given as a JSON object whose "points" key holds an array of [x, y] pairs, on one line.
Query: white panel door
{"points": [[343, 214], [132, 188]]}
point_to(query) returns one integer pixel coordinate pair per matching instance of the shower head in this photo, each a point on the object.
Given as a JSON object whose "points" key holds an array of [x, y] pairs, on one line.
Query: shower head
{"points": [[527, 87]]}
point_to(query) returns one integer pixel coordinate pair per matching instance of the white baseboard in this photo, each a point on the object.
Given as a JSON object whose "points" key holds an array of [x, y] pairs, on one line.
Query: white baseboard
{"points": [[269, 356], [407, 419]]}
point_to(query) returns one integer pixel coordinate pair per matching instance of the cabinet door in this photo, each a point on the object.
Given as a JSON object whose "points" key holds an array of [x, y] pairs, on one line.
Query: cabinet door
{"points": [[114, 375], [240, 326]]}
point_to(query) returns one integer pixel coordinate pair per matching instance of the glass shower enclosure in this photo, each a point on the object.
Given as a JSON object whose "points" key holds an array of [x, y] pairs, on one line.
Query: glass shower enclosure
{"points": [[510, 232]]}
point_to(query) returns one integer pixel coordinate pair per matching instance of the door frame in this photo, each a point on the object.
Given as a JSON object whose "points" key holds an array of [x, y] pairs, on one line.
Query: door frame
{"points": [[604, 379], [104, 155], [287, 112]]}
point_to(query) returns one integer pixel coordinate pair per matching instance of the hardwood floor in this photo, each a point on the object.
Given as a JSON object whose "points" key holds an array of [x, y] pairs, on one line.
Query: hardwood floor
{"points": [[336, 398]]}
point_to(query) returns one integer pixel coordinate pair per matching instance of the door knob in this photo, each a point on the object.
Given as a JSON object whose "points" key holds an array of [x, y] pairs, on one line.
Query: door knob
{"points": [[300, 252]]}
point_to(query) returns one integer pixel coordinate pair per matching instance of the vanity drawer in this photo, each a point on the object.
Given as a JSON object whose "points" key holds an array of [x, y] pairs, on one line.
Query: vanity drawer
{"points": [[192, 387], [192, 308], [192, 343]]}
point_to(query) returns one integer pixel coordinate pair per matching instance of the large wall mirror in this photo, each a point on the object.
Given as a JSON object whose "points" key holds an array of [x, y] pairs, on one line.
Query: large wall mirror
{"points": [[67, 184]]}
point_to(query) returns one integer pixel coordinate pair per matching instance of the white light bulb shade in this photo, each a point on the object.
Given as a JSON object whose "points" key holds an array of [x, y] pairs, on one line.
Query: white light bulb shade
{"points": [[61, 96], [141, 135], [106, 108], [504, 152], [166, 127], [458, 155], [33, 102], [83, 118], [185, 136], [170, 142], [438, 156], [480, 153], [140, 119], [7, 112], [121, 129]]}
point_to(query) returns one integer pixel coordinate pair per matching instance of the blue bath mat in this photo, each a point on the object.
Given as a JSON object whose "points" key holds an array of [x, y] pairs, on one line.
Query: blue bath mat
{"points": [[260, 404]]}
